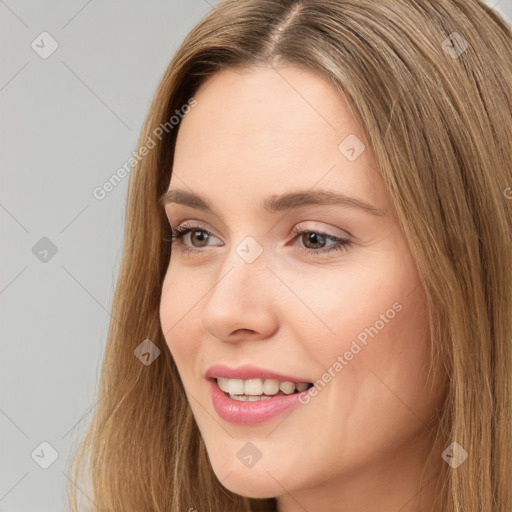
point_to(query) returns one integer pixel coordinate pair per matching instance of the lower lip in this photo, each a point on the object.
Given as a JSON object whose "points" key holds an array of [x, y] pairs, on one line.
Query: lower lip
{"points": [[249, 413]]}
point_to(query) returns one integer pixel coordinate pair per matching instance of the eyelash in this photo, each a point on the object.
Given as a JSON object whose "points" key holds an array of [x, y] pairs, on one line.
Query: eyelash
{"points": [[342, 244]]}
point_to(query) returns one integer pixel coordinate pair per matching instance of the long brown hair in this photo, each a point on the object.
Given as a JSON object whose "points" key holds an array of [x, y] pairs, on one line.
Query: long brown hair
{"points": [[431, 82]]}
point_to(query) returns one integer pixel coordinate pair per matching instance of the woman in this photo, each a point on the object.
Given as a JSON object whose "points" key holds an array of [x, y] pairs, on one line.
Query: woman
{"points": [[332, 330]]}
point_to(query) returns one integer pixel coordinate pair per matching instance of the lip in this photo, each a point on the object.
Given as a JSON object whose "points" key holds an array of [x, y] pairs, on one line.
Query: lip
{"points": [[250, 413], [248, 371]]}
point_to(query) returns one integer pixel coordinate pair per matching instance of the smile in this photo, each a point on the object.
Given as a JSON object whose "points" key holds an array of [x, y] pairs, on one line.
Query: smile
{"points": [[249, 409], [259, 389]]}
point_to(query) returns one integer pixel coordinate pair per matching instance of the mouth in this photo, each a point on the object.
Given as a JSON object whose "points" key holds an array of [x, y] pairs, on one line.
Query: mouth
{"points": [[252, 390], [248, 395]]}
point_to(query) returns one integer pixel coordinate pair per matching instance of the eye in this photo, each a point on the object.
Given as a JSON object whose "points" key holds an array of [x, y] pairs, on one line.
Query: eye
{"points": [[307, 237], [318, 237], [180, 232]]}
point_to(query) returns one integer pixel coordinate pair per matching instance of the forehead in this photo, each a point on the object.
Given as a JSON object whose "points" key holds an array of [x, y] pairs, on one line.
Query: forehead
{"points": [[269, 107], [264, 130]]}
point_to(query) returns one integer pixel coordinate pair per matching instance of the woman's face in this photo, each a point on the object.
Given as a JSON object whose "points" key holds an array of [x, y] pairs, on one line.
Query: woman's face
{"points": [[349, 317]]}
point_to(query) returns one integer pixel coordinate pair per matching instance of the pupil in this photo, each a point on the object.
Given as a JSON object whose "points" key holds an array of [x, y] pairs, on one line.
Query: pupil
{"points": [[314, 238], [201, 234]]}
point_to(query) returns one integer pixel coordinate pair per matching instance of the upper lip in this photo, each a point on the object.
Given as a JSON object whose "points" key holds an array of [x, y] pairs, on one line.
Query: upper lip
{"points": [[248, 371]]}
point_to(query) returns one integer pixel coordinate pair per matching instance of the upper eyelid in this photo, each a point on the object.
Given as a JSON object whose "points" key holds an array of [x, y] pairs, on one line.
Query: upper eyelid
{"points": [[184, 216], [190, 226]]}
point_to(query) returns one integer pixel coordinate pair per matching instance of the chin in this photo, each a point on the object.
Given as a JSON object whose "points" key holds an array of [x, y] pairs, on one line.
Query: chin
{"points": [[251, 483]]}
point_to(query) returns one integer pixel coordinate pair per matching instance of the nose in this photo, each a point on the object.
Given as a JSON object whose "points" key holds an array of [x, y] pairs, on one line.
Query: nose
{"points": [[241, 304]]}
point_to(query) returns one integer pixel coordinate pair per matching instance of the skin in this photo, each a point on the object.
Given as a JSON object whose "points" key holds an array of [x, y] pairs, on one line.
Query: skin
{"points": [[359, 445]]}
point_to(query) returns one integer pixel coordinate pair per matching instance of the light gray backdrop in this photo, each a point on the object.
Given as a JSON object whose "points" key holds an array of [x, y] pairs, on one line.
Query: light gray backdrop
{"points": [[76, 79]]}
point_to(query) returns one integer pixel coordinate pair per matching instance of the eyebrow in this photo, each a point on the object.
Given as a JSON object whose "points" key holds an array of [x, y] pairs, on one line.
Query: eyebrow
{"points": [[276, 203]]}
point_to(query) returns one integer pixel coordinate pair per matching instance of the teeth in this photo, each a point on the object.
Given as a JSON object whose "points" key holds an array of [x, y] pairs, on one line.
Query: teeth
{"points": [[287, 387], [270, 386], [253, 389], [249, 398], [231, 386], [301, 386]]}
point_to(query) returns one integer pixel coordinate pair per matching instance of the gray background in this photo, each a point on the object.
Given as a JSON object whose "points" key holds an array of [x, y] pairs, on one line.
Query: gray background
{"points": [[67, 123]]}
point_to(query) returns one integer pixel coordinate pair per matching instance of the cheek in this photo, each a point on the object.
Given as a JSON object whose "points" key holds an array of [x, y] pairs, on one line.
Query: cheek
{"points": [[179, 324], [376, 335], [380, 297]]}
